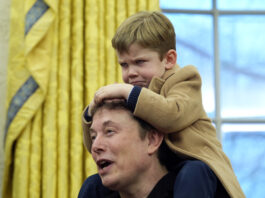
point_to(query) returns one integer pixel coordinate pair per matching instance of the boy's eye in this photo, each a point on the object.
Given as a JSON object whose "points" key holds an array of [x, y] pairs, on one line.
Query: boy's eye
{"points": [[123, 64], [139, 62]]}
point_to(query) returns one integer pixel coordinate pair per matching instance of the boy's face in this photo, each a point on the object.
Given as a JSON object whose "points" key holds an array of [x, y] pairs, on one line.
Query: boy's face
{"points": [[140, 65]]}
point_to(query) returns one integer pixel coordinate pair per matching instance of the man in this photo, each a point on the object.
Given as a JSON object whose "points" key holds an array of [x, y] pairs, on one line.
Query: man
{"points": [[134, 162]]}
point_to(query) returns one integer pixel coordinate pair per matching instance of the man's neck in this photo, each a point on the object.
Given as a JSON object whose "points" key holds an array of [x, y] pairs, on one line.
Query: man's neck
{"points": [[145, 186]]}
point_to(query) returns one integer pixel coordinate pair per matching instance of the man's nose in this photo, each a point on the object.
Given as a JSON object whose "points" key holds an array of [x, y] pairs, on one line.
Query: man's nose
{"points": [[98, 145]]}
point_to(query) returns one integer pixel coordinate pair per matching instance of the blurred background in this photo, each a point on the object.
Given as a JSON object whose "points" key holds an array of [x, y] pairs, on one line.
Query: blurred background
{"points": [[224, 39], [4, 35]]}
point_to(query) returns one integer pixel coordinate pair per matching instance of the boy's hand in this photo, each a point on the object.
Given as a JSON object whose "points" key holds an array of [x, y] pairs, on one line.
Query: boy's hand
{"points": [[91, 107], [92, 104], [113, 91], [110, 93]]}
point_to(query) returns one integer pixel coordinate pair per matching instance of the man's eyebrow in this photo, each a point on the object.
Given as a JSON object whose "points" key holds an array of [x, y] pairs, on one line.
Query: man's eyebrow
{"points": [[105, 123], [108, 122], [91, 130]]}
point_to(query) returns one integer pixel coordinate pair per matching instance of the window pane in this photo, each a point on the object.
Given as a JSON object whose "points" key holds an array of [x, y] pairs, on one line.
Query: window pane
{"points": [[244, 145], [184, 4], [242, 58], [194, 37], [241, 4]]}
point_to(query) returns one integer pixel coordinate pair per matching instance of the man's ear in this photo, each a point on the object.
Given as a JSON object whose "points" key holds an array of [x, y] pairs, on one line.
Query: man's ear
{"points": [[170, 59], [155, 139]]}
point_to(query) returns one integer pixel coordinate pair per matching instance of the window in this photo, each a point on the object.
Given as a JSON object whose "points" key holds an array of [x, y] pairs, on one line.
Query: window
{"points": [[225, 40]]}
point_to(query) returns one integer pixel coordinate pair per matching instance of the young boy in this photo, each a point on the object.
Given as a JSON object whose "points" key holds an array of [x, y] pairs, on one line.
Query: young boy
{"points": [[168, 97]]}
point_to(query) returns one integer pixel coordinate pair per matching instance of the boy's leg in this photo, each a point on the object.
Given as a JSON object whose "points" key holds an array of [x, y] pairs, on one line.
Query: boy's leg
{"points": [[195, 179]]}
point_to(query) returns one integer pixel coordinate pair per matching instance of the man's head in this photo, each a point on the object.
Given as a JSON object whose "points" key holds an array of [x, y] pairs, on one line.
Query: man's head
{"points": [[124, 147], [145, 46]]}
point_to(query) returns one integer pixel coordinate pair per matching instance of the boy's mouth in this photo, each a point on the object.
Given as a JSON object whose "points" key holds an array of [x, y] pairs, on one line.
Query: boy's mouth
{"points": [[138, 83]]}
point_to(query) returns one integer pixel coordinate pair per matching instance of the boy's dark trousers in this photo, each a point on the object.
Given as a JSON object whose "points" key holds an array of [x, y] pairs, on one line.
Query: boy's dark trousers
{"points": [[195, 179]]}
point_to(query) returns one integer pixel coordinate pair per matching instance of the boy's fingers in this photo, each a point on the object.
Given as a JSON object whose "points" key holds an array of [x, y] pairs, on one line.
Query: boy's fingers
{"points": [[114, 100], [90, 108], [97, 97]]}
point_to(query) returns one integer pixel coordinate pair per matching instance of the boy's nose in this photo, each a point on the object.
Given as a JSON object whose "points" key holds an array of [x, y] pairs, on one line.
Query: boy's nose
{"points": [[132, 71]]}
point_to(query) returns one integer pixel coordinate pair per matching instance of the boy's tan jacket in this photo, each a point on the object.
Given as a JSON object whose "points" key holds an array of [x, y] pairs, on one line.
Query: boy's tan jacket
{"points": [[174, 106]]}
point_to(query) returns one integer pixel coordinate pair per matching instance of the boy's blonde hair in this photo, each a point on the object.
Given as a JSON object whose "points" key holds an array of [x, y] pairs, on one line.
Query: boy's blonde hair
{"points": [[151, 30]]}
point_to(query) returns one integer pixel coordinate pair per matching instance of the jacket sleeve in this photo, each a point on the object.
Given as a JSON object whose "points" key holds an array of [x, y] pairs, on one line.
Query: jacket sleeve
{"points": [[176, 105], [86, 123]]}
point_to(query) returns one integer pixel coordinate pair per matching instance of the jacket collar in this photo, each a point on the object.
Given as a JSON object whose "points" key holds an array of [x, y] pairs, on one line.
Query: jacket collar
{"points": [[157, 82]]}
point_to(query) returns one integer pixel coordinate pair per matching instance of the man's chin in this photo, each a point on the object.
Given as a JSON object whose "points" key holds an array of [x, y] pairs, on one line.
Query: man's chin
{"points": [[110, 183]]}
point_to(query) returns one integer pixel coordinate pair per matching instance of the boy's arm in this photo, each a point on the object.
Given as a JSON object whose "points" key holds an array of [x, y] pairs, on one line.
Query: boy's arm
{"points": [[113, 91], [86, 123], [177, 105], [117, 91]]}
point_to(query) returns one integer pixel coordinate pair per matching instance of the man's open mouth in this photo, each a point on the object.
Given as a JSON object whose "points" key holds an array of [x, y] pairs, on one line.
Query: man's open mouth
{"points": [[103, 163]]}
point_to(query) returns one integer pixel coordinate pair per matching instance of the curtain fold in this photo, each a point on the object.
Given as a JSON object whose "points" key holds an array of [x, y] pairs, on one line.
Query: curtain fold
{"points": [[59, 54]]}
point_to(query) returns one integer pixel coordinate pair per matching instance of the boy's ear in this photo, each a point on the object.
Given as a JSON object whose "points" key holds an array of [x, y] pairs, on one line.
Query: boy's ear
{"points": [[170, 59], [155, 139]]}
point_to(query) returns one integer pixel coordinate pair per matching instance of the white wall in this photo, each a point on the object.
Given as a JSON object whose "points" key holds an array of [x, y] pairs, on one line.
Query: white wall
{"points": [[4, 35]]}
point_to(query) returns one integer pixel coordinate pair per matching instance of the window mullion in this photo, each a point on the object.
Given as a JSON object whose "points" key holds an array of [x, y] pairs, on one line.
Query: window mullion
{"points": [[218, 119]]}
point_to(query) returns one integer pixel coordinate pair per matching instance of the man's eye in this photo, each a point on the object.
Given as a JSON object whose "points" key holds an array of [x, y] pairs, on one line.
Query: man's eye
{"points": [[109, 131], [93, 137]]}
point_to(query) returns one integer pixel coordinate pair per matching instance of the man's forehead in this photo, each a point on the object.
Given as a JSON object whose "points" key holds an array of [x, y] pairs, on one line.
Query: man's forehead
{"points": [[106, 122], [105, 116], [103, 124], [102, 116]]}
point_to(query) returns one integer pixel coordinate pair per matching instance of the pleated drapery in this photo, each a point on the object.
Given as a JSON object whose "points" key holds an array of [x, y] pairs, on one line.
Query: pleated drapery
{"points": [[59, 54]]}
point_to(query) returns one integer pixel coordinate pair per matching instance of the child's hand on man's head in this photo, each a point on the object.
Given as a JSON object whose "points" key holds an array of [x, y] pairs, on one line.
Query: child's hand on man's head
{"points": [[110, 93], [113, 91], [91, 107]]}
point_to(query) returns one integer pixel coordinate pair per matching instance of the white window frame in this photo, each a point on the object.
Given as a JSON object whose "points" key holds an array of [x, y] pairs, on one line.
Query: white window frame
{"points": [[215, 13]]}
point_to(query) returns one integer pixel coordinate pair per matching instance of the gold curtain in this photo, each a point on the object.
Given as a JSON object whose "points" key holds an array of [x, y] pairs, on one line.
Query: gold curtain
{"points": [[59, 54]]}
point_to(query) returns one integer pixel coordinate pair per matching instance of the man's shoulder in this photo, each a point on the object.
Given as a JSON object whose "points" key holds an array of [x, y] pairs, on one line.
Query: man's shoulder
{"points": [[93, 187], [93, 181]]}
